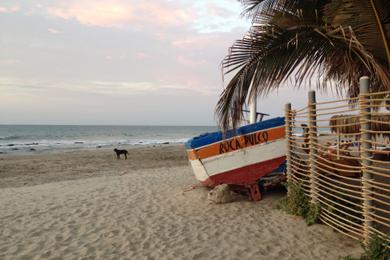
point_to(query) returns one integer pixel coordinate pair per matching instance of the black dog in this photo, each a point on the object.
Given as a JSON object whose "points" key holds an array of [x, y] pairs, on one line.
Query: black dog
{"points": [[119, 152]]}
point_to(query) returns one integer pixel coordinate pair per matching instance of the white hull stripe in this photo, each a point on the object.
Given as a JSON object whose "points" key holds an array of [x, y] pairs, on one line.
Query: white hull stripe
{"points": [[244, 157]]}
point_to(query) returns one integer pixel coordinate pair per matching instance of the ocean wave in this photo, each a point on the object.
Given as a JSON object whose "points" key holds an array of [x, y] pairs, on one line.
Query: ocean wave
{"points": [[11, 137], [77, 144]]}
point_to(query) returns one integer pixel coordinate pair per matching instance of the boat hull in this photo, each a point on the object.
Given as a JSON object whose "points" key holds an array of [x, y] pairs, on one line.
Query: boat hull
{"points": [[244, 176], [241, 167], [241, 159]]}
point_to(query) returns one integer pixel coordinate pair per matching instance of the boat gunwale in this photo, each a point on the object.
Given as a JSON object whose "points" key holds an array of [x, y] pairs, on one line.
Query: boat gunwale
{"points": [[279, 122], [236, 136]]}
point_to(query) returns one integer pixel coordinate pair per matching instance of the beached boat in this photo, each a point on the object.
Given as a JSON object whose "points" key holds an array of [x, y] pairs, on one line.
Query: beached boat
{"points": [[242, 158]]}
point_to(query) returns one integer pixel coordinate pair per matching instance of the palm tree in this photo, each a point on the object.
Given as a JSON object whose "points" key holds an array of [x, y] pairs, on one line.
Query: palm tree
{"points": [[337, 41]]}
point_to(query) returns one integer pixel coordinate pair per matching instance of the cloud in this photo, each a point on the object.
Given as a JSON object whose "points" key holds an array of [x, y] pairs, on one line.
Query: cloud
{"points": [[37, 87], [218, 16], [142, 87], [142, 55], [189, 61], [119, 14], [202, 15], [165, 14], [94, 13], [199, 41], [53, 31], [9, 61], [117, 49], [12, 9]]}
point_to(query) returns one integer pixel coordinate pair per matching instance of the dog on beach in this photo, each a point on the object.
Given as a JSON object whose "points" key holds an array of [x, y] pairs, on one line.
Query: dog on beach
{"points": [[119, 152]]}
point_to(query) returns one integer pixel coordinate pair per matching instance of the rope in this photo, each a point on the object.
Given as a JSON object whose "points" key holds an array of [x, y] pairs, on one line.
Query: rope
{"points": [[330, 108], [295, 157], [324, 220], [327, 147], [335, 174], [370, 141], [374, 94], [378, 209], [297, 137], [374, 131], [376, 168], [343, 212], [336, 101], [377, 121], [335, 190], [375, 113], [345, 134], [377, 173], [371, 105], [372, 187], [379, 194], [342, 188], [376, 151], [297, 144], [379, 201], [337, 181], [379, 183], [300, 164], [300, 173], [300, 181], [305, 154], [336, 217], [338, 204], [377, 217], [342, 199], [300, 110], [358, 225], [373, 230], [337, 112], [378, 99], [335, 154]]}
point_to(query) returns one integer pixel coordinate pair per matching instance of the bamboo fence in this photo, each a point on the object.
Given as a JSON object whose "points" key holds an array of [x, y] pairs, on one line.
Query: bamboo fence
{"points": [[339, 153]]}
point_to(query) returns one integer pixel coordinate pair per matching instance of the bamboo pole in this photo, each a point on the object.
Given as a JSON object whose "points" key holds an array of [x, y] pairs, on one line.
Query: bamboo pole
{"points": [[365, 154], [312, 145], [288, 120]]}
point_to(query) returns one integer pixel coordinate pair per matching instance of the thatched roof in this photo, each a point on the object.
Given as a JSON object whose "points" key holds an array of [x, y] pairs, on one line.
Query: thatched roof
{"points": [[349, 124]]}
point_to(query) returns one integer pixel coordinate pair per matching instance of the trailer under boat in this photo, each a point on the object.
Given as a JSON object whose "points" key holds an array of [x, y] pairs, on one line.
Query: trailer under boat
{"points": [[244, 158]]}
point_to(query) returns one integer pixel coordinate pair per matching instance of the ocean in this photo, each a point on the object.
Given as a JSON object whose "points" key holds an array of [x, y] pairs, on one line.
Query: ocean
{"points": [[39, 138]]}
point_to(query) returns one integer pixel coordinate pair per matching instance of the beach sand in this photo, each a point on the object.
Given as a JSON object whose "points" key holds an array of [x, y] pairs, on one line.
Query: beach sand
{"points": [[89, 205]]}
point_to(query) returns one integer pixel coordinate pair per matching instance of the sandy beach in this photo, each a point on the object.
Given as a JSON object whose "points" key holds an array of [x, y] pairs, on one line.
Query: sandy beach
{"points": [[89, 205]]}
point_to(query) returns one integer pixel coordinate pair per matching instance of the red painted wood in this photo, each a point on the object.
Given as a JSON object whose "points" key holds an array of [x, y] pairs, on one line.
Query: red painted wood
{"points": [[247, 175], [254, 192]]}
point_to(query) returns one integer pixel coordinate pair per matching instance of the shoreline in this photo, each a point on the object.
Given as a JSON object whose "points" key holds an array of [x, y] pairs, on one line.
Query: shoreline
{"points": [[34, 150], [17, 170], [23, 138]]}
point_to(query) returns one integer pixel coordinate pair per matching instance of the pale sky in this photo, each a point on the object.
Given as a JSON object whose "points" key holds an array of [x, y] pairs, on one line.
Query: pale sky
{"points": [[127, 62]]}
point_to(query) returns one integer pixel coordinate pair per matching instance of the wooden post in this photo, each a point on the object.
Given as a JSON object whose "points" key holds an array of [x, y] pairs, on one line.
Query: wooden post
{"points": [[288, 120], [365, 116], [312, 144]]}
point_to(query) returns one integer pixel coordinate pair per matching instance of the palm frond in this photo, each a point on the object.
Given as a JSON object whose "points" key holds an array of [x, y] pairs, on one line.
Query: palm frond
{"points": [[336, 40], [368, 26]]}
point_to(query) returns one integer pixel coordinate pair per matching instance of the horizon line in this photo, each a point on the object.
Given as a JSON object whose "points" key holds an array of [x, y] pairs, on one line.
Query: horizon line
{"points": [[40, 124]]}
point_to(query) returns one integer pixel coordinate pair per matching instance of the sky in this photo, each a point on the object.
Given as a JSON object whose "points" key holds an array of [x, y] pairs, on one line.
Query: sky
{"points": [[119, 62]]}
